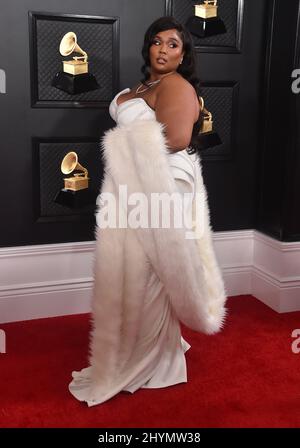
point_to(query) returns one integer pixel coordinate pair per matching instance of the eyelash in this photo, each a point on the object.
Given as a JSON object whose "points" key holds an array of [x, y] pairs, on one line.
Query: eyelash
{"points": [[172, 43]]}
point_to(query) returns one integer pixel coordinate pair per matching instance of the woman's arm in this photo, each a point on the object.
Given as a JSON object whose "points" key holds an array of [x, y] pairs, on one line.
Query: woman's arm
{"points": [[175, 107]]}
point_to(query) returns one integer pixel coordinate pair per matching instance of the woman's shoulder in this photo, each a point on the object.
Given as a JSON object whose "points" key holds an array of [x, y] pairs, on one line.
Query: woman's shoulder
{"points": [[185, 93], [176, 79], [176, 82]]}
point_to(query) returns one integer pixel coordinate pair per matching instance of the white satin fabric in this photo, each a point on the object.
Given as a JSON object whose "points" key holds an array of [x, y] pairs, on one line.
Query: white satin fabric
{"points": [[181, 163], [161, 362]]}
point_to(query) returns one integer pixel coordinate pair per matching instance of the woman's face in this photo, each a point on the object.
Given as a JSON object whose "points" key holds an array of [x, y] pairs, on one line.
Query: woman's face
{"points": [[166, 51]]}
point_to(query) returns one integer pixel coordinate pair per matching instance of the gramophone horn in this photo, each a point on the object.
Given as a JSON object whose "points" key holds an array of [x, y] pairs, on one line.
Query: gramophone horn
{"points": [[68, 44], [70, 163]]}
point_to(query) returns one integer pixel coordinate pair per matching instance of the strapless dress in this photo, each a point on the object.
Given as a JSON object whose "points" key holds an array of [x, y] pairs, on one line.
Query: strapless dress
{"points": [[162, 361]]}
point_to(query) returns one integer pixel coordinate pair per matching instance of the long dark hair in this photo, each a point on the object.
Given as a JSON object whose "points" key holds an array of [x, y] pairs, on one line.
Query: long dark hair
{"points": [[187, 69]]}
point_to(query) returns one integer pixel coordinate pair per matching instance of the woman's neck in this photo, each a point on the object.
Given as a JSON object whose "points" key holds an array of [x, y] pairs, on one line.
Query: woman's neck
{"points": [[157, 76]]}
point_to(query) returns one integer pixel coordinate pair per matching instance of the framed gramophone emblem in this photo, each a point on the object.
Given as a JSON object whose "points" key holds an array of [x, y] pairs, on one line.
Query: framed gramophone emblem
{"points": [[215, 25], [205, 21], [207, 135], [67, 175], [74, 60], [75, 77], [77, 191], [219, 129]]}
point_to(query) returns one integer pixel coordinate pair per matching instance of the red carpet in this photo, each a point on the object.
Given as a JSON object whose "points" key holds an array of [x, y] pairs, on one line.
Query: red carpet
{"points": [[246, 376]]}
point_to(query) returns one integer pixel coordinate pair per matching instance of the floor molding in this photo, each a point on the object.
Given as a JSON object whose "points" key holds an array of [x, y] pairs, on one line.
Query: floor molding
{"points": [[276, 273], [56, 279]]}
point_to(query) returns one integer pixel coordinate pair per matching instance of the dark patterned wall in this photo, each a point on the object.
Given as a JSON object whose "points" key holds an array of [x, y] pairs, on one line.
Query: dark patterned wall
{"points": [[40, 124], [278, 199]]}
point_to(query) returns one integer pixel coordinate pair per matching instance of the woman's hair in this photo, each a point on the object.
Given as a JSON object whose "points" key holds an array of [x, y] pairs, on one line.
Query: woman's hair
{"points": [[187, 68]]}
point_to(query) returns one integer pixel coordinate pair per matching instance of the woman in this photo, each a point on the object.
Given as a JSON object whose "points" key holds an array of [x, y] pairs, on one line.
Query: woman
{"points": [[169, 87], [147, 280]]}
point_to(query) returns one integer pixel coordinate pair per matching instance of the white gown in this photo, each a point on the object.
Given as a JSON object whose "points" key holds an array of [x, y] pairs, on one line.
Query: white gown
{"points": [[159, 360]]}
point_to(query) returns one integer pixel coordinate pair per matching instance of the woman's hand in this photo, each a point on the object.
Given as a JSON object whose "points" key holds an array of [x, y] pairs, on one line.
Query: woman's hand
{"points": [[176, 107]]}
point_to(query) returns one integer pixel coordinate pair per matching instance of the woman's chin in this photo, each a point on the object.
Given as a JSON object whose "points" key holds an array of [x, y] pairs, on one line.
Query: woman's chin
{"points": [[162, 69]]}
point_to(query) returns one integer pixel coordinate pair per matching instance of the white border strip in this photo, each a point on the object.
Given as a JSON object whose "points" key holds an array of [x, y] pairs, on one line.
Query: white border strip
{"points": [[56, 279]]}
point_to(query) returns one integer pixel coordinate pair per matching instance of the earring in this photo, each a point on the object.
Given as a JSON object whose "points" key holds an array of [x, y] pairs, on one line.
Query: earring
{"points": [[181, 60]]}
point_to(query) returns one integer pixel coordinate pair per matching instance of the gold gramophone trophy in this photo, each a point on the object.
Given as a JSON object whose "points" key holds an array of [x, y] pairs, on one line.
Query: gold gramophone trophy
{"points": [[76, 192], [208, 137], [75, 77], [205, 21], [79, 181]]}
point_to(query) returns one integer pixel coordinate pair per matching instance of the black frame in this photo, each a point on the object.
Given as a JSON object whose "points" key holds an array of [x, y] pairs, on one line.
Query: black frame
{"points": [[77, 215], [218, 48], [205, 154], [33, 16]]}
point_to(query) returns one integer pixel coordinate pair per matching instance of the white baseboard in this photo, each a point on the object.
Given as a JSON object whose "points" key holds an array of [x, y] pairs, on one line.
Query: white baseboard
{"points": [[45, 280], [234, 252], [56, 279], [276, 273]]}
